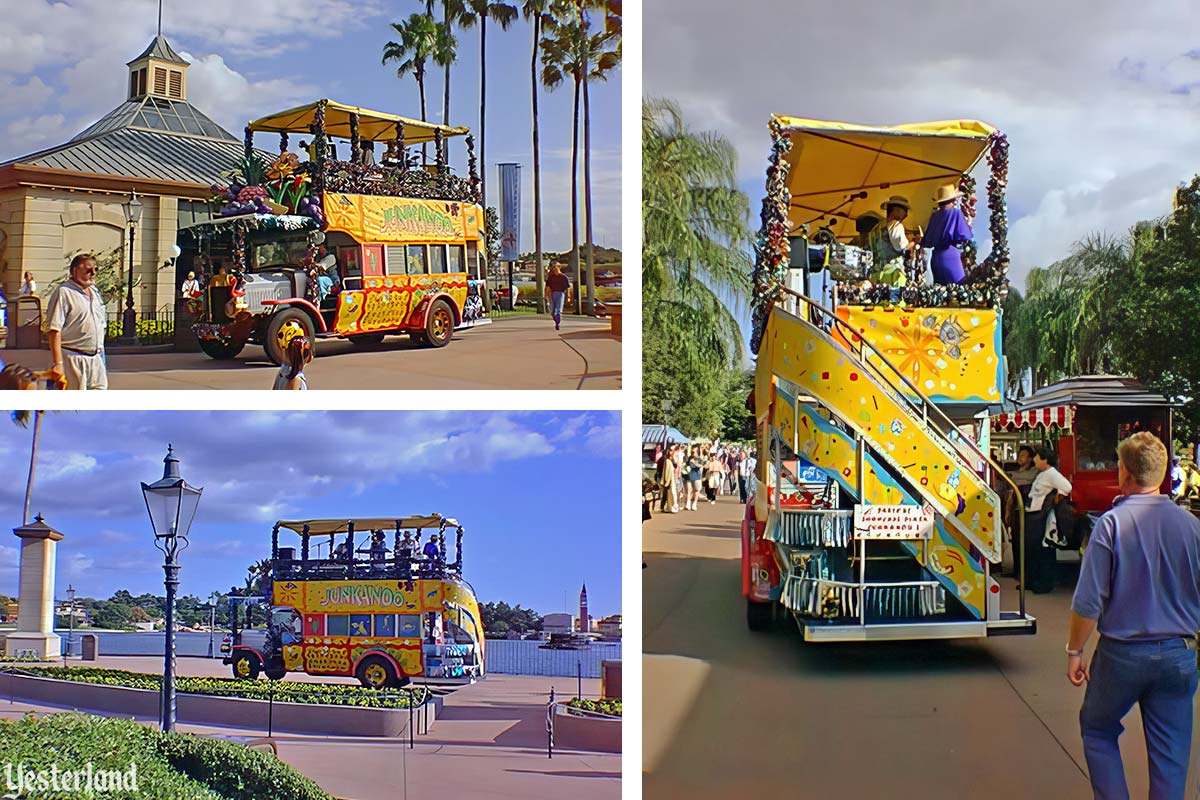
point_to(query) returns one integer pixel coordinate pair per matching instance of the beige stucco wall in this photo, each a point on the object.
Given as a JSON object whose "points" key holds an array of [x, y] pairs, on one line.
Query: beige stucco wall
{"points": [[41, 227]]}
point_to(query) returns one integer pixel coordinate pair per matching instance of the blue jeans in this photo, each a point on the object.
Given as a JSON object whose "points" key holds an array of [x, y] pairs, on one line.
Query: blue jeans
{"points": [[556, 305], [1161, 678]]}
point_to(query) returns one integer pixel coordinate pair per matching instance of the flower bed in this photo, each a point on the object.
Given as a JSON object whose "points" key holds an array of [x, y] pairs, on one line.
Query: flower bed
{"points": [[335, 694], [168, 764], [609, 707]]}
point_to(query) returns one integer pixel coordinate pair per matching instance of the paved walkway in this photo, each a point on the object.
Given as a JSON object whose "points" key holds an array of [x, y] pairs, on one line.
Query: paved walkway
{"points": [[523, 352], [731, 713], [489, 742]]}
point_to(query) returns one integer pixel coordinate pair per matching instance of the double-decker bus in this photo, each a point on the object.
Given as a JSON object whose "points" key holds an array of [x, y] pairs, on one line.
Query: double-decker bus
{"points": [[356, 248], [385, 604]]}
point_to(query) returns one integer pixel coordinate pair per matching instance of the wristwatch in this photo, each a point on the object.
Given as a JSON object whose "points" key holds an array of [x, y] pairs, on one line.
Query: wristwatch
{"points": [[1071, 652]]}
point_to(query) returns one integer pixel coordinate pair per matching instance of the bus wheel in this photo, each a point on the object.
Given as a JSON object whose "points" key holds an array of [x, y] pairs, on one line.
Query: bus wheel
{"points": [[439, 325], [219, 350], [246, 666], [375, 672], [275, 673], [759, 616], [271, 343], [366, 339]]}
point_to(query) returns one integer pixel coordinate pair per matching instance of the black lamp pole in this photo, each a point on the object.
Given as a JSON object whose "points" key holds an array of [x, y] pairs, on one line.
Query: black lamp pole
{"points": [[171, 503], [133, 214]]}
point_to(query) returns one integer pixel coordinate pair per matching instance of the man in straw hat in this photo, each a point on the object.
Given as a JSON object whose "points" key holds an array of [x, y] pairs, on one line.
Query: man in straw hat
{"points": [[889, 243], [947, 228]]}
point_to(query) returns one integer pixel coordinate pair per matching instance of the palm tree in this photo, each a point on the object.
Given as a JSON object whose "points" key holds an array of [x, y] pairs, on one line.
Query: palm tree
{"points": [[503, 14], [23, 418], [421, 40], [535, 11], [562, 57], [453, 12], [694, 243], [599, 60]]}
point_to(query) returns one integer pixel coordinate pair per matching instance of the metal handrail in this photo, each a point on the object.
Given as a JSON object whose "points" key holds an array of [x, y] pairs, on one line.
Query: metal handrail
{"points": [[925, 406]]}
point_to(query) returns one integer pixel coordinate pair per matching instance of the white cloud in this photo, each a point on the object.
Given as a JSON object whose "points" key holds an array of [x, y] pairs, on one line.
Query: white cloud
{"points": [[30, 133], [10, 560], [56, 466]]}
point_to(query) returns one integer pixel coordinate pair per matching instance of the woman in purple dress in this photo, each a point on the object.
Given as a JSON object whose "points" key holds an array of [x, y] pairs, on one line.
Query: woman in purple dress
{"points": [[947, 228]]}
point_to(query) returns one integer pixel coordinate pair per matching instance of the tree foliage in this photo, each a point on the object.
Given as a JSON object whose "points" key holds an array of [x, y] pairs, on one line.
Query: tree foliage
{"points": [[1124, 305], [694, 260], [501, 618]]}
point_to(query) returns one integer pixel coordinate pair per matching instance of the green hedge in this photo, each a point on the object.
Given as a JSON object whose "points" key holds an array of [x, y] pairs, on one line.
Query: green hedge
{"points": [[330, 694], [610, 707], [168, 764]]}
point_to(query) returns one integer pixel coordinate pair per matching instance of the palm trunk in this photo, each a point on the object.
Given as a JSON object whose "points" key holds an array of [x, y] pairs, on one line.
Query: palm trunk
{"points": [[33, 454], [537, 172], [587, 201], [446, 86], [424, 118], [483, 108], [575, 202]]}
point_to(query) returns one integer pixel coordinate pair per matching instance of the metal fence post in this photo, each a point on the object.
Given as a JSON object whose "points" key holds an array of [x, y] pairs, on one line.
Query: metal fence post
{"points": [[550, 725], [271, 711], [579, 677], [410, 720]]}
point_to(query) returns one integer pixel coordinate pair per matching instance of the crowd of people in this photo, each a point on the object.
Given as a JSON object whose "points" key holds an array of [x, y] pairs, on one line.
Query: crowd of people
{"points": [[684, 472]]}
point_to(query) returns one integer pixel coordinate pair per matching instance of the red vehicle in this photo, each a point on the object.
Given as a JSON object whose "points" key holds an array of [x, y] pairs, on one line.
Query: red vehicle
{"points": [[1083, 419]]}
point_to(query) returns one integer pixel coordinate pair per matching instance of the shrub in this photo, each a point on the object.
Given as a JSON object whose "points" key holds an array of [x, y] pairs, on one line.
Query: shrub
{"points": [[332, 694], [610, 707], [168, 764]]}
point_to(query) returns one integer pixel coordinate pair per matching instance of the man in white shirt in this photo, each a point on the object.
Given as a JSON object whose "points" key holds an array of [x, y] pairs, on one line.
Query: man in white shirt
{"points": [[327, 274], [745, 472], [76, 322], [1040, 524]]}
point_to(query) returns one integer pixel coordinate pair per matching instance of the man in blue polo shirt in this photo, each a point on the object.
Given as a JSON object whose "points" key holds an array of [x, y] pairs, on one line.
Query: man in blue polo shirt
{"points": [[1140, 586]]}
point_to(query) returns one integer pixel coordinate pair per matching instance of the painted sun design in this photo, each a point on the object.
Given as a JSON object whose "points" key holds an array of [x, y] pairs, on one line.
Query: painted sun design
{"points": [[915, 349]]}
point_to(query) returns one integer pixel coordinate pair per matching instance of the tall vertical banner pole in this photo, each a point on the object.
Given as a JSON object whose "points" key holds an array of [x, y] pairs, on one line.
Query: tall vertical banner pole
{"points": [[510, 220]]}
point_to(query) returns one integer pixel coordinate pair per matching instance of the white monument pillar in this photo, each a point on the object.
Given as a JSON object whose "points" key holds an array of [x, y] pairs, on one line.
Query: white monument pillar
{"points": [[35, 618]]}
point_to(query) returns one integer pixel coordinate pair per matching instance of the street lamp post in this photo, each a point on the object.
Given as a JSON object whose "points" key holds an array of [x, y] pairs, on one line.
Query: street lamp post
{"points": [[133, 215], [71, 620], [667, 405], [171, 503]]}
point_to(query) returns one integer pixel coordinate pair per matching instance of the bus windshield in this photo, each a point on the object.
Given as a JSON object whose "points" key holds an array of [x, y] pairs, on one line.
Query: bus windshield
{"points": [[278, 252]]}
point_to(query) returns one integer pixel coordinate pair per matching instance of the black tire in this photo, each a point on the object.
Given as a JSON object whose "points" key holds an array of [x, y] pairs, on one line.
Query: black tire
{"points": [[275, 673], [278, 320], [246, 665], [221, 352], [418, 337], [439, 324], [376, 672], [759, 616], [366, 339]]}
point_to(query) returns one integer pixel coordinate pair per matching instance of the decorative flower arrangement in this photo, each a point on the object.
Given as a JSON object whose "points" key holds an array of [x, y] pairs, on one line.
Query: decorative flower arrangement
{"points": [[771, 248]]}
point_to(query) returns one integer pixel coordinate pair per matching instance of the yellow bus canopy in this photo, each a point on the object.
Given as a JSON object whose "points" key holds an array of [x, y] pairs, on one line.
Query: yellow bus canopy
{"points": [[840, 170], [375, 126], [324, 527]]}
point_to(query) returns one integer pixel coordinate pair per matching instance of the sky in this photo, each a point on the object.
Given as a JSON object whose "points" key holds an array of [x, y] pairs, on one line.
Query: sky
{"points": [[538, 493], [62, 66], [1099, 99]]}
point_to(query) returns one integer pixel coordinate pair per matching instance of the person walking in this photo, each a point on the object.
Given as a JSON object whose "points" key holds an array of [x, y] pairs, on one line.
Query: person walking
{"points": [[75, 319], [693, 478], [1139, 586], [714, 476], [557, 286], [669, 501], [745, 469], [1041, 523]]}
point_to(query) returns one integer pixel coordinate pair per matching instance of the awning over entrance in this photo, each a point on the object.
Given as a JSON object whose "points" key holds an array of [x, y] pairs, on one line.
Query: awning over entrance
{"points": [[1050, 417], [375, 126]]}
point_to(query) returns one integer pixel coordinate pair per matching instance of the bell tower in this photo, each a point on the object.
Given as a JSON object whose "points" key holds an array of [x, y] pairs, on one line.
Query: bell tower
{"points": [[585, 622]]}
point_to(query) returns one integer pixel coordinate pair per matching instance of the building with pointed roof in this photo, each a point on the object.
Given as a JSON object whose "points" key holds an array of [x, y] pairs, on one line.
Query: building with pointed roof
{"points": [[68, 198]]}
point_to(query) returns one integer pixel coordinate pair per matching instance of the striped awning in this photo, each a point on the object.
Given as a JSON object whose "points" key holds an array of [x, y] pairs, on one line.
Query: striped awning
{"points": [[1050, 417]]}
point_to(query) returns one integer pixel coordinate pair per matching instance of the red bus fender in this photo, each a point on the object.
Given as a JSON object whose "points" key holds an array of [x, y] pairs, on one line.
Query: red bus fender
{"points": [[233, 653], [300, 302], [760, 573], [399, 672], [421, 312]]}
